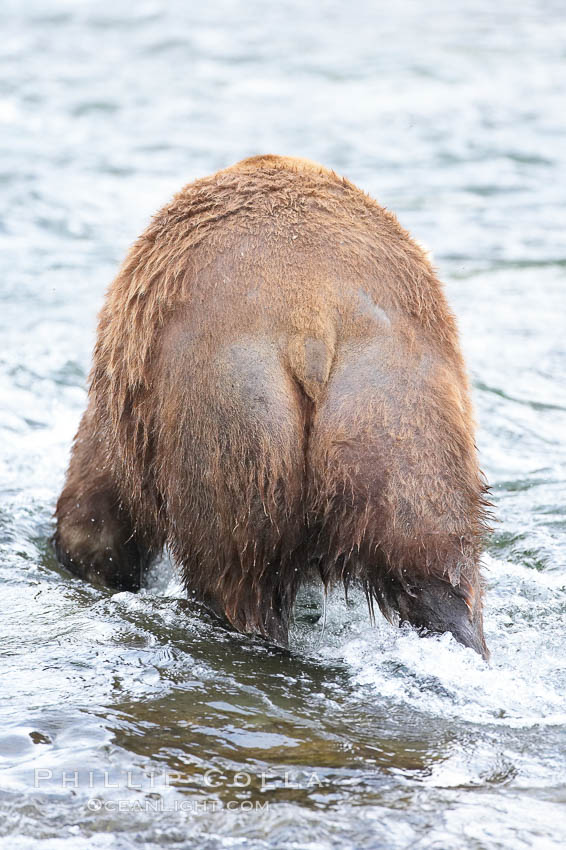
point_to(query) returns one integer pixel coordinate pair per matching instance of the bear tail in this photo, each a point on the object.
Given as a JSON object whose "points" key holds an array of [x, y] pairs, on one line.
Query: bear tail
{"points": [[310, 359]]}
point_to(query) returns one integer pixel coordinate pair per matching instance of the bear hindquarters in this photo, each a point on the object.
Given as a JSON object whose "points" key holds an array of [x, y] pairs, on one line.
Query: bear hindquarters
{"points": [[396, 492], [95, 536]]}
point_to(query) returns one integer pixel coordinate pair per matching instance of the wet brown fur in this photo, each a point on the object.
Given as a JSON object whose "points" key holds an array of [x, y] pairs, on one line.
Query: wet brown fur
{"points": [[278, 388]]}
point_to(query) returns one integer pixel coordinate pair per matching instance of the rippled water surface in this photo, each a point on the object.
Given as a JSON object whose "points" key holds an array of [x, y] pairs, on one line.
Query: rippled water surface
{"points": [[451, 114]]}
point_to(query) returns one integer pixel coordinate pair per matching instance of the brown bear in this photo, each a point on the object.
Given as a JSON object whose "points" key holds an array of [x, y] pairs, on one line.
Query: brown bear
{"points": [[278, 391]]}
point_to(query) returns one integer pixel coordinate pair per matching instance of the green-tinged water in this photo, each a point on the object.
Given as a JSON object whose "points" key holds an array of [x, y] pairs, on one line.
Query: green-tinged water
{"points": [[136, 720]]}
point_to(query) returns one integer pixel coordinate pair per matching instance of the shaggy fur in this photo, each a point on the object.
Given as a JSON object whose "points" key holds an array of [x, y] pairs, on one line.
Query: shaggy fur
{"points": [[278, 389]]}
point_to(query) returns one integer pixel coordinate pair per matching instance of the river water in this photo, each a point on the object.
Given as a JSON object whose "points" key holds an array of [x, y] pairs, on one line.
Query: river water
{"points": [[136, 720]]}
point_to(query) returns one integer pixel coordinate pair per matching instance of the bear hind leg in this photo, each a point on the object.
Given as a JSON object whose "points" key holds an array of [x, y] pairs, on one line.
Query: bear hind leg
{"points": [[396, 490]]}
